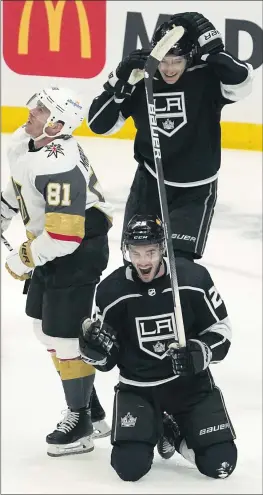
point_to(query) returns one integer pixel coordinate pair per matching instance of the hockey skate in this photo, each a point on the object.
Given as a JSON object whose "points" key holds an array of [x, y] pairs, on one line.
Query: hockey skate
{"points": [[73, 434], [166, 445], [101, 428]]}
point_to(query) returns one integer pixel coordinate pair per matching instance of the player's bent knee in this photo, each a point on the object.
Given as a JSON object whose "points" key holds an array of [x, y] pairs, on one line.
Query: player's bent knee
{"points": [[132, 461], [218, 460]]}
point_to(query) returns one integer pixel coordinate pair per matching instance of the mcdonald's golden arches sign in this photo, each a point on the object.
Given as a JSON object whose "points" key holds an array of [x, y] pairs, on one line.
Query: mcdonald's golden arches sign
{"points": [[63, 38]]}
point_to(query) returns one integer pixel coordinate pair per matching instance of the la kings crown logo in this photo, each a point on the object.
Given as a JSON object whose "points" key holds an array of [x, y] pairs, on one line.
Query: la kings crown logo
{"points": [[155, 333], [170, 112]]}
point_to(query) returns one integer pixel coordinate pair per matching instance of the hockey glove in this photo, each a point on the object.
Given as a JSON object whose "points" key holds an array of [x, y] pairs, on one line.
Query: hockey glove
{"points": [[201, 31], [128, 73], [18, 263], [97, 342], [190, 360]]}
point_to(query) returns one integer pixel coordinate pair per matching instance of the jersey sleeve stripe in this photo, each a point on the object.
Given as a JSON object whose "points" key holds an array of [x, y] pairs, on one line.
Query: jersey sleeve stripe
{"points": [[61, 237], [65, 225]]}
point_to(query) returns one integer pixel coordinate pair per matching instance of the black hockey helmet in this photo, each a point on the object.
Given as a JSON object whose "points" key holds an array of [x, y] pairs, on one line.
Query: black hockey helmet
{"points": [[144, 229], [183, 48]]}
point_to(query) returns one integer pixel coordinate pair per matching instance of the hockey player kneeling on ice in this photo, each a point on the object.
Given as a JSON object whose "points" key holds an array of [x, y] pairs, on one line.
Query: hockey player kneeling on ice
{"points": [[165, 396], [67, 220]]}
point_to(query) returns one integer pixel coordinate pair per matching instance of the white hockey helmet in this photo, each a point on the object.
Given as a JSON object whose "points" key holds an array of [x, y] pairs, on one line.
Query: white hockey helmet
{"points": [[64, 105]]}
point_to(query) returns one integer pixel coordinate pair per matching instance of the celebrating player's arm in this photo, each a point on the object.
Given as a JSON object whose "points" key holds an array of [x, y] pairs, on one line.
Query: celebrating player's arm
{"points": [[212, 329], [99, 339], [109, 111], [235, 76], [64, 194]]}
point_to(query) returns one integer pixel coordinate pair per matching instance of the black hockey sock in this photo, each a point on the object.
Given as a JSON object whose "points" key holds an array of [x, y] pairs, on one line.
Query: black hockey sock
{"points": [[97, 411]]}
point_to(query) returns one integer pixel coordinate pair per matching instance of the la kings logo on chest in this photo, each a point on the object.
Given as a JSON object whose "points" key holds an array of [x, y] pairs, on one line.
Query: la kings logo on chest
{"points": [[155, 333], [170, 112]]}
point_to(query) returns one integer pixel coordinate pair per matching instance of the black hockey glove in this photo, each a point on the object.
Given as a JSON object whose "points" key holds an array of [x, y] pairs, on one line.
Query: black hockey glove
{"points": [[97, 342], [128, 73], [201, 31], [190, 360]]}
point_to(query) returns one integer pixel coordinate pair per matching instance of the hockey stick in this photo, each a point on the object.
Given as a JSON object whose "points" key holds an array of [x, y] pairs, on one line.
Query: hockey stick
{"points": [[6, 243], [156, 55], [9, 247]]}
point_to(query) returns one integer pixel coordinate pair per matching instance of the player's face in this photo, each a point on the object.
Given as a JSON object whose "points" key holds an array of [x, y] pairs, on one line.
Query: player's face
{"points": [[171, 68], [146, 260], [36, 120]]}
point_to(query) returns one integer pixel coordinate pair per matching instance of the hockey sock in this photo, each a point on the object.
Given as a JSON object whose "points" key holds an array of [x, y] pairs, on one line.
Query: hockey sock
{"points": [[77, 379]]}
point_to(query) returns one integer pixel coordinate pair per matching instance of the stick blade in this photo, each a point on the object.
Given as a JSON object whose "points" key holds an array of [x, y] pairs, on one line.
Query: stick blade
{"points": [[167, 42]]}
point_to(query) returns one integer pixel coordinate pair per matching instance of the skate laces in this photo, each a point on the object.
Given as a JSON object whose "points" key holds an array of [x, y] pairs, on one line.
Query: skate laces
{"points": [[69, 422]]}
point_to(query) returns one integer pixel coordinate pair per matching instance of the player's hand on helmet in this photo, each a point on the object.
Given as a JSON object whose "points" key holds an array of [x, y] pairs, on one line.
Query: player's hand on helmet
{"points": [[97, 341], [202, 32], [128, 73], [136, 60], [191, 359]]}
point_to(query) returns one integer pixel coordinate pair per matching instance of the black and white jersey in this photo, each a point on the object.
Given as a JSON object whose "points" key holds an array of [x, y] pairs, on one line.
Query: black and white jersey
{"points": [[57, 193], [142, 315], [188, 117]]}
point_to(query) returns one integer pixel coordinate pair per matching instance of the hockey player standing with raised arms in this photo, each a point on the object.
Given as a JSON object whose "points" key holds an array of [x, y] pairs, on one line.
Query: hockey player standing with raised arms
{"points": [[134, 330], [194, 81], [67, 220]]}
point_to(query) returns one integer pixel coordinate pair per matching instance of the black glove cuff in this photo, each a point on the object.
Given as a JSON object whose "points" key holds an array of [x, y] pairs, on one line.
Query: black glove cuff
{"points": [[121, 89]]}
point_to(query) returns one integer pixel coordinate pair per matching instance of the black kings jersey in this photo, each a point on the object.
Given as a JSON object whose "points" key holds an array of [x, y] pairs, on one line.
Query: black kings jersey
{"points": [[188, 118], [143, 317]]}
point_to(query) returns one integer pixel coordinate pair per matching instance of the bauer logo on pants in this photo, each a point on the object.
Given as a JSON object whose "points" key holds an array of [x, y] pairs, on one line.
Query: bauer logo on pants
{"points": [[62, 38], [170, 112], [155, 333]]}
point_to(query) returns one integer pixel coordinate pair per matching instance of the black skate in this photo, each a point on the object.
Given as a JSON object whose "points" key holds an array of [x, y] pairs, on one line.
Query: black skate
{"points": [[166, 445], [100, 427], [73, 434]]}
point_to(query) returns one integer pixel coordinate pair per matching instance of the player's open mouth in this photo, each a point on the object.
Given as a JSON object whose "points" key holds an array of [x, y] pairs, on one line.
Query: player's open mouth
{"points": [[145, 271]]}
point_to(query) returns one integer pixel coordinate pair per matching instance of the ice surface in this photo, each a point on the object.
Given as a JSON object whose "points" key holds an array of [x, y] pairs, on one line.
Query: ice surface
{"points": [[32, 398]]}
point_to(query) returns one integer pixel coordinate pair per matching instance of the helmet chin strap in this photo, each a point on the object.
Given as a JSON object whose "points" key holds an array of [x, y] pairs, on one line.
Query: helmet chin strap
{"points": [[44, 134], [158, 267]]}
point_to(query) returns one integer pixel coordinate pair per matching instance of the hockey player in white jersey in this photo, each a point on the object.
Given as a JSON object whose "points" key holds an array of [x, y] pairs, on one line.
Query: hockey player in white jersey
{"points": [[67, 220]]}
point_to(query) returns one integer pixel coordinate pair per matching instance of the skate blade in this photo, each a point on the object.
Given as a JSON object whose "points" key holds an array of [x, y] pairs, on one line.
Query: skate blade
{"points": [[165, 449], [101, 429], [81, 446]]}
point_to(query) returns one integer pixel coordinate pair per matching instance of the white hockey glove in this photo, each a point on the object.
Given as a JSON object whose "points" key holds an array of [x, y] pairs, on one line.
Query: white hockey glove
{"points": [[19, 262]]}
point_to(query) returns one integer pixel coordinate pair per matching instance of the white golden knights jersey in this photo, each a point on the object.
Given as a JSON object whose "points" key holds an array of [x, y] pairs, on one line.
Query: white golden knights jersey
{"points": [[53, 187], [142, 317]]}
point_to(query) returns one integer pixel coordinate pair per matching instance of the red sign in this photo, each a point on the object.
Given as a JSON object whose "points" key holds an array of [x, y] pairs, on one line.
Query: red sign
{"points": [[63, 38]]}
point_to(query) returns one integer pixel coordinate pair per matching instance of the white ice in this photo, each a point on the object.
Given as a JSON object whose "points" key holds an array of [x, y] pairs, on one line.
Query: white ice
{"points": [[32, 398]]}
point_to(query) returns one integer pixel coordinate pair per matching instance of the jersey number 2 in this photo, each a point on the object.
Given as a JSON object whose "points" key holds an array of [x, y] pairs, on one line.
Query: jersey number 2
{"points": [[215, 297]]}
